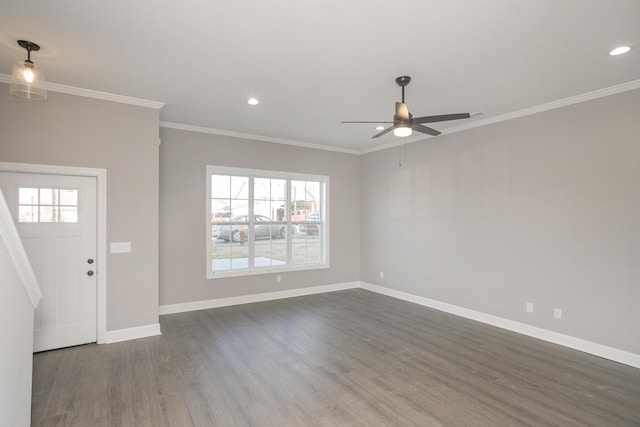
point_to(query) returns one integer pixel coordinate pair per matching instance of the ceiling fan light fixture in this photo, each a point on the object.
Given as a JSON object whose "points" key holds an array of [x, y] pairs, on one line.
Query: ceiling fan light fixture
{"points": [[27, 80], [402, 131]]}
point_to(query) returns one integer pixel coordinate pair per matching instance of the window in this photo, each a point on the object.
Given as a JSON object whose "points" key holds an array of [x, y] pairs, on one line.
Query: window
{"points": [[47, 205], [265, 221]]}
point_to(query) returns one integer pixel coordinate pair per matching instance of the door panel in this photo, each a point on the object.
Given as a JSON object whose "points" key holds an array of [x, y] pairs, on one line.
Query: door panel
{"points": [[56, 218]]}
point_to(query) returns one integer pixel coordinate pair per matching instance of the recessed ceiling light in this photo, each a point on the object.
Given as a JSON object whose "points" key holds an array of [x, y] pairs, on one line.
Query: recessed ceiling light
{"points": [[253, 101], [620, 50], [379, 127]]}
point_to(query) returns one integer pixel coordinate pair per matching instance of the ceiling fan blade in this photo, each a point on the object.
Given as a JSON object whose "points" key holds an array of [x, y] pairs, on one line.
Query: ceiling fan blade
{"points": [[345, 121], [441, 118], [424, 129], [402, 112], [387, 130]]}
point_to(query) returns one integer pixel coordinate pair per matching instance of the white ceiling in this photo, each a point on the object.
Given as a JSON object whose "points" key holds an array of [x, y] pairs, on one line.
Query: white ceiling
{"points": [[315, 63]]}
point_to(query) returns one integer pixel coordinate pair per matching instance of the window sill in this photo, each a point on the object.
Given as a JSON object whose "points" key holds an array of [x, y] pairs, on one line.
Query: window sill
{"points": [[265, 270]]}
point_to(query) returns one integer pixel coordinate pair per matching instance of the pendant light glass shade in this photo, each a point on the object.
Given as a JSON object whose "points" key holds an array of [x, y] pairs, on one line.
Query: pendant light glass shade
{"points": [[27, 80]]}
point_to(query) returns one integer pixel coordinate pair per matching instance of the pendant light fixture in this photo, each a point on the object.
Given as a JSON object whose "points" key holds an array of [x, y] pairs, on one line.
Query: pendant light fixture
{"points": [[27, 80]]}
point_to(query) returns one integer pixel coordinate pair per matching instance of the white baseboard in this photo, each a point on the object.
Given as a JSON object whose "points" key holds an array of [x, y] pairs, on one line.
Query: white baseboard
{"points": [[247, 299], [132, 333], [599, 350]]}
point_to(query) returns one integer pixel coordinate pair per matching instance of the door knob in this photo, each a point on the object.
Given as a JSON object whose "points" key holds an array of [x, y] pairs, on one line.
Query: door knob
{"points": [[90, 261], [90, 273]]}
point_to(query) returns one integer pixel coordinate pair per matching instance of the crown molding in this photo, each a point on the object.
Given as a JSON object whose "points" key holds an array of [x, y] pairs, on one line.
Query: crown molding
{"points": [[88, 93], [600, 93], [202, 129]]}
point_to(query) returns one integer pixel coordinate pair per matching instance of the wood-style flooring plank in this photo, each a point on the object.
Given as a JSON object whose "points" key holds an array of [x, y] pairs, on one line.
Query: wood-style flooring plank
{"points": [[350, 358]]}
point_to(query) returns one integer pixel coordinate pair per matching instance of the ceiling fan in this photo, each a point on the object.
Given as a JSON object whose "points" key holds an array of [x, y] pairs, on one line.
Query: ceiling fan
{"points": [[404, 123]]}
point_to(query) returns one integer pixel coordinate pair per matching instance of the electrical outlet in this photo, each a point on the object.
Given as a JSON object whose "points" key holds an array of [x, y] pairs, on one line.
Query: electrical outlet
{"points": [[529, 307], [278, 278], [557, 313], [381, 275]]}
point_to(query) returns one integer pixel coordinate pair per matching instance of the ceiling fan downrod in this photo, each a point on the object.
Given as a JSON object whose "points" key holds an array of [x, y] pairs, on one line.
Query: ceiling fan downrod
{"points": [[402, 81]]}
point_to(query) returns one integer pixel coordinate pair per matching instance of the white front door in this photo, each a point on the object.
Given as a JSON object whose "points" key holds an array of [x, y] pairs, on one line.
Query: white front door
{"points": [[56, 218]]}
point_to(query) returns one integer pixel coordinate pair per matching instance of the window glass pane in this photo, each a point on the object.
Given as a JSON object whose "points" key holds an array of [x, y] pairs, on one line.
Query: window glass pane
{"points": [[48, 196], [312, 191], [240, 187], [239, 257], [221, 186], [262, 207], [28, 196], [297, 200], [271, 251], [69, 197], [278, 189], [262, 188], [305, 199], [220, 210], [305, 248], [229, 250], [270, 198], [239, 208], [278, 199], [220, 250], [28, 214], [68, 214], [47, 213], [308, 228]]}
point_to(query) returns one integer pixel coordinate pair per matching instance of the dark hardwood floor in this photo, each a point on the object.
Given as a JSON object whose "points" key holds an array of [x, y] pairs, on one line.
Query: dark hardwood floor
{"points": [[351, 358]]}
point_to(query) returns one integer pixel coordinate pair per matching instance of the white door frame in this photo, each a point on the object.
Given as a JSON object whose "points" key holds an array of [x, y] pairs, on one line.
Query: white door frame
{"points": [[101, 237]]}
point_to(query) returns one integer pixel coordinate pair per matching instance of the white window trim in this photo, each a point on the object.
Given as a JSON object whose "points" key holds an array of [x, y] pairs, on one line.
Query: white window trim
{"points": [[211, 169]]}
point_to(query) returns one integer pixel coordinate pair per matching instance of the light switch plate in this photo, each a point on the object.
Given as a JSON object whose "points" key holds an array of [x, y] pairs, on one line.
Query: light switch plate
{"points": [[120, 247]]}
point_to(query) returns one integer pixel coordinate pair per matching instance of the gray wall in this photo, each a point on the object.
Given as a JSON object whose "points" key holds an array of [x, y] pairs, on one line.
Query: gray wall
{"points": [[183, 159], [123, 139], [544, 208]]}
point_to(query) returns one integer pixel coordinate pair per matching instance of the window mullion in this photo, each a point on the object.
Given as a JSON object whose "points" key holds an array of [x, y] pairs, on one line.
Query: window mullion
{"points": [[251, 226], [289, 226], [323, 221]]}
